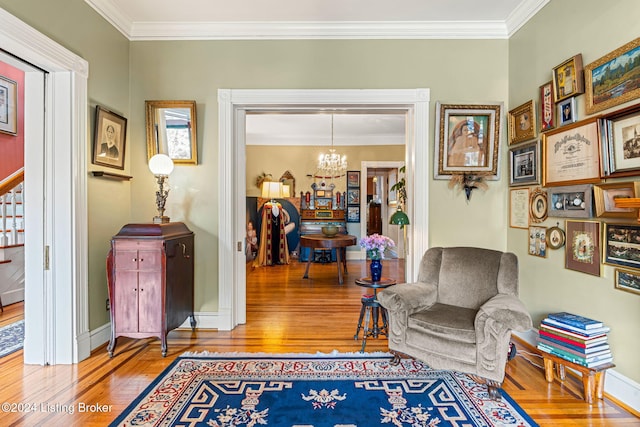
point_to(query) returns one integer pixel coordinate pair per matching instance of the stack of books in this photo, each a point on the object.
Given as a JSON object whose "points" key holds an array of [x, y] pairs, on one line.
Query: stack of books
{"points": [[575, 338]]}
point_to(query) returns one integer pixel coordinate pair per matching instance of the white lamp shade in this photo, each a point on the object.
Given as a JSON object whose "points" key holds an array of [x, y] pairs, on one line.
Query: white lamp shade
{"points": [[161, 164], [271, 190]]}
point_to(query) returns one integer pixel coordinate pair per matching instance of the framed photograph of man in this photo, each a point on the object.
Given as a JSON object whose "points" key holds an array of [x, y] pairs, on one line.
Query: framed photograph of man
{"points": [[8, 106], [109, 139], [467, 140]]}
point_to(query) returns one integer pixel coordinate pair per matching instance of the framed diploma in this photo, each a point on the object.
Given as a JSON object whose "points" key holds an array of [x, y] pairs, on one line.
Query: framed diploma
{"points": [[571, 154], [519, 208]]}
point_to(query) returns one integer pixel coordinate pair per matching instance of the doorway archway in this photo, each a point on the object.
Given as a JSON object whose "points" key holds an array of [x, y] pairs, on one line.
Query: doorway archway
{"points": [[233, 106]]}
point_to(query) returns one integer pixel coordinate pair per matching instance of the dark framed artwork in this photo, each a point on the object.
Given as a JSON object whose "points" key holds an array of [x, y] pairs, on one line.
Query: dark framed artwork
{"points": [[622, 245], [353, 213], [613, 79], [353, 179], [467, 140], [571, 201], [8, 106], [547, 107], [524, 164], [567, 112], [522, 123], [583, 246], [568, 78], [627, 280], [571, 154], [353, 196], [109, 139]]}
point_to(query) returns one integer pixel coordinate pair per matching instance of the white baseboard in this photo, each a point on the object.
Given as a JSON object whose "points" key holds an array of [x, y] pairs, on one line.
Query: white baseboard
{"points": [[616, 385], [12, 296]]}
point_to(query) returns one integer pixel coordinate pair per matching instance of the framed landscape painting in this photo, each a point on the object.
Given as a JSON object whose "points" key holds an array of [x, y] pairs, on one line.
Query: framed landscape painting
{"points": [[613, 79]]}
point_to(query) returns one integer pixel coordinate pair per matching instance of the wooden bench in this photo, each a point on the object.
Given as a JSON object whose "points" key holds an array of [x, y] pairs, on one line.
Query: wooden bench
{"points": [[592, 378]]}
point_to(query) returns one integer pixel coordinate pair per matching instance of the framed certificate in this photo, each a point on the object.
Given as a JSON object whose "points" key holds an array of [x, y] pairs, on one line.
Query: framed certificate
{"points": [[571, 154]]}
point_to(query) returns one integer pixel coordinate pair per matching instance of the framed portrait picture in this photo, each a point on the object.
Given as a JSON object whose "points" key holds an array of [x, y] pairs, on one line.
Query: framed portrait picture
{"points": [[522, 123], [568, 78], [8, 106], [567, 112], [539, 205], [627, 280], [538, 241], [547, 107], [467, 140], [571, 154], [524, 164], [109, 139], [620, 142], [613, 79], [353, 196], [353, 179], [519, 208], [605, 196], [572, 201], [583, 246], [555, 237], [353, 213]]}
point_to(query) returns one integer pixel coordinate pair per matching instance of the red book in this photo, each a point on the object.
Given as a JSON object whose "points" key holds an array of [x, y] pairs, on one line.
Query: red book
{"points": [[577, 343]]}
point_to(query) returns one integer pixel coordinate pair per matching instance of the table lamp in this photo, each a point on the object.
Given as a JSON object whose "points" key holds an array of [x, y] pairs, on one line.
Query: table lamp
{"points": [[161, 167]]}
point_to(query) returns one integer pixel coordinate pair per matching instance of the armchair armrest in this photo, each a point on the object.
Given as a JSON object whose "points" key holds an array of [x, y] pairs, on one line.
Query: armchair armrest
{"points": [[409, 297], [507, 310]]}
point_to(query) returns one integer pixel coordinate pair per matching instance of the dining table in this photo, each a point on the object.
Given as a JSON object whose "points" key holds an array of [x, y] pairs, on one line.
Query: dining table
{"points": [[339, 242]]}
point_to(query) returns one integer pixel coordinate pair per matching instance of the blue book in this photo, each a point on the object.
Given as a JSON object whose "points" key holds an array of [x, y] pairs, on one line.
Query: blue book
{"points": [[575, 320], [585, 332]]}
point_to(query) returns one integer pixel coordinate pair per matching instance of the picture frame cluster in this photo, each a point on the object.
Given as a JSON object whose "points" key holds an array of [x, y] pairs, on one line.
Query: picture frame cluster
{"points": [[560, 166]]}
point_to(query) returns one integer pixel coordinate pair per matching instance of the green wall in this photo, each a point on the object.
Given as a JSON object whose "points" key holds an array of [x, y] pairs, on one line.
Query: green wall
{"points": [[465, 71], [77, 27], [559, 31]]}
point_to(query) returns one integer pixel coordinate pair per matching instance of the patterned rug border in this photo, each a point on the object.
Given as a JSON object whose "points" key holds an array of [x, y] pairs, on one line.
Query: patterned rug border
{"points": [[335, 354], [16, 346]]}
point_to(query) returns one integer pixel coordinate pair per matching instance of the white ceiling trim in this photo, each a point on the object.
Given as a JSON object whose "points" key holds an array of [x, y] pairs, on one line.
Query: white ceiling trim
{"points": [[283, 30], [317, 30]]}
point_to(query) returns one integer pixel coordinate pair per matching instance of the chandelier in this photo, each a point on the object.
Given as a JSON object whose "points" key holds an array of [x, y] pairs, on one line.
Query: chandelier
{"points": [[331, 164]]}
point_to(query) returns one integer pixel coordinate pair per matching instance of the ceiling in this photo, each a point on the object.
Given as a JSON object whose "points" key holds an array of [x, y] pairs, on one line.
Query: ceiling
{"points": [[316, 19]]}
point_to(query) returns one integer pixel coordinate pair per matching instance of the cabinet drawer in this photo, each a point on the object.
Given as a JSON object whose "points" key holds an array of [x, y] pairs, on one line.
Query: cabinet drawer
{"points": [[141, 259]]}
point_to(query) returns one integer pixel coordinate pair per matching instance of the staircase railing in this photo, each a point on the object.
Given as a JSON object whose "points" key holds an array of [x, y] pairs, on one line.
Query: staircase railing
{"points": [[12, 210]]}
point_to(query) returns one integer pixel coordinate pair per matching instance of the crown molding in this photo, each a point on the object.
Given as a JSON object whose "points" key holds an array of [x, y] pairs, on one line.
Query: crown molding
{"points": [[522, 14], [310, 30], [316, 30]]}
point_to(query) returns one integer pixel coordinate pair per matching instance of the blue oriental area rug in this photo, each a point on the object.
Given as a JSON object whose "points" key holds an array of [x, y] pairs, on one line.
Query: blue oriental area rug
{"points": [[364, 390], [11, 338]]}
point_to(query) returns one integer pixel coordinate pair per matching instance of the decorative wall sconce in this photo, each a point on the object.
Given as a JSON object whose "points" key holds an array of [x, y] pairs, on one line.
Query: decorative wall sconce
{"points": [[161, 167]]}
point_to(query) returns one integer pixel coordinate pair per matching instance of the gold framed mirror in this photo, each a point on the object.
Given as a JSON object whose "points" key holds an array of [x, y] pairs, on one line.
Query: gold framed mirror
{"points": [[171, 130]]}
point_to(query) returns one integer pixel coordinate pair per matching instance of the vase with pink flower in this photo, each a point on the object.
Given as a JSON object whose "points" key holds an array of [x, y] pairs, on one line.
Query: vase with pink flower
{"points": [[375, 245]]}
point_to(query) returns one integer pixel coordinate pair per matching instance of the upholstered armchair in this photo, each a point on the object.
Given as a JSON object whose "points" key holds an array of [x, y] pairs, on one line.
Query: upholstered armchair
{"points": [[459, 314]]}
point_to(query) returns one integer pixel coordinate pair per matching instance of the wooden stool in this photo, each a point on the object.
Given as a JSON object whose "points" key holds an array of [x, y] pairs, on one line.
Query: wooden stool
{"points": [[592, 378]]}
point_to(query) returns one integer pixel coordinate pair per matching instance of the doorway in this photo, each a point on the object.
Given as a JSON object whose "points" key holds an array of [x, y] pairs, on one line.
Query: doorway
{"points": [[233, 107]]}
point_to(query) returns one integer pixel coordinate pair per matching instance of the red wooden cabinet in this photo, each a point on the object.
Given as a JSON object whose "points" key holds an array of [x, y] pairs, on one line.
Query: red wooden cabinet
{"points": [[150, 276]]}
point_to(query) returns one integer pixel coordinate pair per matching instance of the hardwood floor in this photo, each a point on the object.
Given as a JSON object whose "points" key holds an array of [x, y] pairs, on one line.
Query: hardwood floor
{"points": [[285, 313]]}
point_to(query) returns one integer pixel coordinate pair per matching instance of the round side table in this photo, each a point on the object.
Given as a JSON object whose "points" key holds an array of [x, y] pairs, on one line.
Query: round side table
{"points": [[371, 310]]}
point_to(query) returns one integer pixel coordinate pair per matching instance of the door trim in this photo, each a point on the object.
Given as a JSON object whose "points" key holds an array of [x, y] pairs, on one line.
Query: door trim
{"points": [[56, 316], [233, 104]]}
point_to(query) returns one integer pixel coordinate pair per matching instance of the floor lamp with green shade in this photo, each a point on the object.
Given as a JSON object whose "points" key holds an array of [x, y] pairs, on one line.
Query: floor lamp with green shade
{"points": [[400, 218]]}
